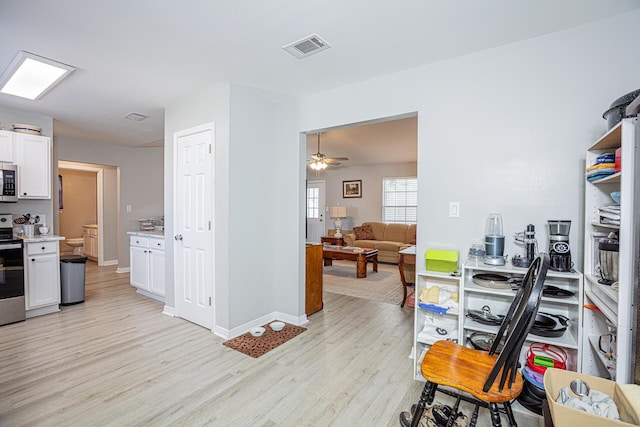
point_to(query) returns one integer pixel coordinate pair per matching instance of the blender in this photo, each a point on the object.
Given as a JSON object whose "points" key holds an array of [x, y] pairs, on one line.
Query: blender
{"points": [[494, 241], [559, 251]]}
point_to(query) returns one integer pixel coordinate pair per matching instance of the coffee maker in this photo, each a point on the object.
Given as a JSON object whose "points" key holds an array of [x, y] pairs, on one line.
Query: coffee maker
{"points": [[559, 251], [494, 241], [528, 240]]}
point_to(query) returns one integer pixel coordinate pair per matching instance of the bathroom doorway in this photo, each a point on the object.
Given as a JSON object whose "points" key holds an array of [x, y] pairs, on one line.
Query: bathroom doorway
{"points": [[88, 200]]}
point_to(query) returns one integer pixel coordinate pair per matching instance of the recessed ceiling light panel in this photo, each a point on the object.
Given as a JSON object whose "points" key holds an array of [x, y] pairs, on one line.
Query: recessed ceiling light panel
{"points": [[136, 117], [307, 46], [31, 76]]}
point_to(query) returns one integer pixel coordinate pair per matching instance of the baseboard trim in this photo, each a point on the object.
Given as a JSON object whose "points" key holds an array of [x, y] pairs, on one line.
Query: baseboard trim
{"points": [[123, 269], [111, 262], [169, 311], [150, 295]]}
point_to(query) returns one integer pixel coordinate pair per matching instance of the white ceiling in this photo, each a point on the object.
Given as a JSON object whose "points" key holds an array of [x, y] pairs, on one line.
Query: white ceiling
{"points": [[142, 55], [394, 141]]}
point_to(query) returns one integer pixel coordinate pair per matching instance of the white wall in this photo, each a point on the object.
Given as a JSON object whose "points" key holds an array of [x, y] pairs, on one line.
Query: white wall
{"points": [[369, 206], [503, 130], [245, 205], [209, 105]]}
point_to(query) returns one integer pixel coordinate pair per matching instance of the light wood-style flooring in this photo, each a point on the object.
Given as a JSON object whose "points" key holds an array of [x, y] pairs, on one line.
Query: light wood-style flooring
{"points": [[116, 360]]}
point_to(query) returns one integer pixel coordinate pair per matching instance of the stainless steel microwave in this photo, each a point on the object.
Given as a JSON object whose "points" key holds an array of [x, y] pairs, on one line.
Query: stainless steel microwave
{"points": [[8, 182]]}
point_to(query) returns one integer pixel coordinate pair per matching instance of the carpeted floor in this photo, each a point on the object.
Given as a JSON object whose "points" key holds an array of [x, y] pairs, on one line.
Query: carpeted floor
{"points": [[383, 286]]}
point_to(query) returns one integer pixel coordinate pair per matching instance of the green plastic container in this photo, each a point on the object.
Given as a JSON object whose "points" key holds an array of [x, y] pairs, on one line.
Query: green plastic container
{"points": [[442, 260]]}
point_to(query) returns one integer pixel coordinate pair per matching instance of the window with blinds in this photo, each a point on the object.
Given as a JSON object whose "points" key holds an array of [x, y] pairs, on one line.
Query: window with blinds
{"points": [[400, 200]]}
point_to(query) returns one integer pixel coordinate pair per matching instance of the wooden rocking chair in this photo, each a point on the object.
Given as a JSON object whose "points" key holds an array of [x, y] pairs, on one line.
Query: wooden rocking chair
{"points": [[475, 371]]}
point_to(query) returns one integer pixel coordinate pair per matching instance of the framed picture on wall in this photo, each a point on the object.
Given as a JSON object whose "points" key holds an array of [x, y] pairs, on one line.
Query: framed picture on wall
{"points": [[352, 189]]}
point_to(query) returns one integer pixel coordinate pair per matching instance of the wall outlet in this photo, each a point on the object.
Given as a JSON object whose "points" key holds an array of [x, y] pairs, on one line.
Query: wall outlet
{"points": [[454, 209]]}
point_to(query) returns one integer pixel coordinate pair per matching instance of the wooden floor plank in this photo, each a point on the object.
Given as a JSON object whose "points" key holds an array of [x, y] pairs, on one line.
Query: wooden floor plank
{"points": [[116, 360]]}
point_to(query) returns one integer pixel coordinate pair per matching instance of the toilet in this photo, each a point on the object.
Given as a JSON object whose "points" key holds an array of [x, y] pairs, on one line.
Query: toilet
{"points": [[77, 244]]}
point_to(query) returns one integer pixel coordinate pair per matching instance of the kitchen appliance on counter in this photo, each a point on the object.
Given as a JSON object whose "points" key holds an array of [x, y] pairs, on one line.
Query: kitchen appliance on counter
{"points": [[528, 239], [608, 251], [494, 241], [8, 180], [12, 305], [559, 250]]}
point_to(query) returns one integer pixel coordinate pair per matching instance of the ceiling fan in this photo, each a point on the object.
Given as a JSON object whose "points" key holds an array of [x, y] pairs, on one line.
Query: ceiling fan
{"points": [[320, 161]]}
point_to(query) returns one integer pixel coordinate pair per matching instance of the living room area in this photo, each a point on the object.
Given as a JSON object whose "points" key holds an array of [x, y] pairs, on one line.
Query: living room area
{"points": [[361, 207]]}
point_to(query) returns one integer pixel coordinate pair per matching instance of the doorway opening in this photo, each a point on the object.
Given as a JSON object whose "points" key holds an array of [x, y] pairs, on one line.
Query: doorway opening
{"points": [[88, 200], [374, 150]]}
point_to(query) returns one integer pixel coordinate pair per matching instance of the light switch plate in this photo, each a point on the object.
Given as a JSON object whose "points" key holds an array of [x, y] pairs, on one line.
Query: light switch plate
{"points": [[454, 209]]}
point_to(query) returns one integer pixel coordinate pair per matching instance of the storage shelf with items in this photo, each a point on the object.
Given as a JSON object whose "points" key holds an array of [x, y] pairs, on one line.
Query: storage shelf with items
{"points": [[436, 312], [484, 301], [611, 206]]}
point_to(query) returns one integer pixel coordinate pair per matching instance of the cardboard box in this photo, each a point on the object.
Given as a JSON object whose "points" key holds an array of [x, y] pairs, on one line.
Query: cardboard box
{"points": [[556, 379], [442, 260]]}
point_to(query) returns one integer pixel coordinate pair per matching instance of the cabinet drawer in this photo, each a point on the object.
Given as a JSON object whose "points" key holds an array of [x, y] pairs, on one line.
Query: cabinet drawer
{"points": [[42, 248], [141, 242], [156, 243]]}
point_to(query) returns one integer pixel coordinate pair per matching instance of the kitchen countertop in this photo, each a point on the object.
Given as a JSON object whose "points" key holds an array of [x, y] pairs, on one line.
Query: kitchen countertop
{"points": [[39, 238], [146, 233]]}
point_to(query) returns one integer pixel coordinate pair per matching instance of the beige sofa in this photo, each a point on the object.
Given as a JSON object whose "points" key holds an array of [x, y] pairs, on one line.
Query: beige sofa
{"points": [[389, 239]]}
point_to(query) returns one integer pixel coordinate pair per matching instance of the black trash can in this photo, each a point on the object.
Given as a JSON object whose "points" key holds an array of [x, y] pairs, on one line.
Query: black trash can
{"points": [[72, 279]]}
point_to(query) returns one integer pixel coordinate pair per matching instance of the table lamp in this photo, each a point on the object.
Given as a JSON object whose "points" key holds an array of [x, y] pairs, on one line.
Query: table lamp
{"points": [[338, 212]]}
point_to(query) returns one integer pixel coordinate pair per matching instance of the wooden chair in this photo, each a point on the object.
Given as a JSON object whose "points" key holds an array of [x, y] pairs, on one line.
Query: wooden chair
{"points": [[475, 371]]}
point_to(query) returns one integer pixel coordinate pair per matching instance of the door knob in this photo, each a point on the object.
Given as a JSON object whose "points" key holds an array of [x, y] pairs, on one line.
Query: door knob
{"points": [[178, 237]]}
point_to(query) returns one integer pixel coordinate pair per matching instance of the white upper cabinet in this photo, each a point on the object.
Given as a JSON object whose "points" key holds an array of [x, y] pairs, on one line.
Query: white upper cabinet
{"points": [[7, 154], [33, 157]]}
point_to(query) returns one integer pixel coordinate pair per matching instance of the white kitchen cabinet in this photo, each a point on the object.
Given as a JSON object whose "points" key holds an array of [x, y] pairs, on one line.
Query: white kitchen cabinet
{"points": [[42, 278], [156, 271], [147, 265], [609, 310], [7, 154], [90, 235], [475, 297], [33, 157], [426, 321]]}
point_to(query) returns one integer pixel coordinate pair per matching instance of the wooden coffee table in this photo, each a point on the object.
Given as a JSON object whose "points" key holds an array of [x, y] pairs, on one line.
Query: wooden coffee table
{"points": [[329, 253]]}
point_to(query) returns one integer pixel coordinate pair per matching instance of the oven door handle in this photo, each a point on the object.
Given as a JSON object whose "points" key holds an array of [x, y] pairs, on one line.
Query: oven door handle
{"points": [[10, 246]]}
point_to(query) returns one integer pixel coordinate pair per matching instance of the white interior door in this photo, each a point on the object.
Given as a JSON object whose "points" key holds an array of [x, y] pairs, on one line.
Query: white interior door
{"points": [[193, 240], [315, 211]]}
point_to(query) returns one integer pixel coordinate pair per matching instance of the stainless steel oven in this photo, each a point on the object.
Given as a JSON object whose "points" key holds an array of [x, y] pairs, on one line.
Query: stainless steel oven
{"points": [[12, 304]]}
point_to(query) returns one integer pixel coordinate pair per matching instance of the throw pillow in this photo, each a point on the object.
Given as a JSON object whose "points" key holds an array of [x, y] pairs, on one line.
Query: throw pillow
{"points": [[364, 232]]}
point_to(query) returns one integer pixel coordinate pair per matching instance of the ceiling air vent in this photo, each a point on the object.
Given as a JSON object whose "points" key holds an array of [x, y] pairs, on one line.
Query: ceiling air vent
{"points": [[307, 46], [136, 117]]}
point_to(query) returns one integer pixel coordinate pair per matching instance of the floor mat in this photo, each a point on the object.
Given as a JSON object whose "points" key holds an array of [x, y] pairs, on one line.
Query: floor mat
{"points": [[257, 346]]}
